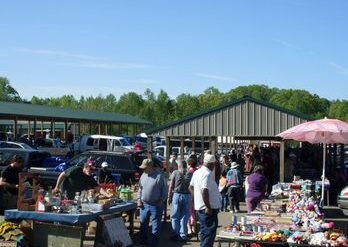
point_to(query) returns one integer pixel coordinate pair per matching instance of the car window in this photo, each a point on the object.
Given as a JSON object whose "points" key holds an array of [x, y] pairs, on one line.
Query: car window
{"points": [[120, 162], [12, 145], [124, 142], [90, 142], [117, 143], [36, 158], [6, 156], [81, 159]]}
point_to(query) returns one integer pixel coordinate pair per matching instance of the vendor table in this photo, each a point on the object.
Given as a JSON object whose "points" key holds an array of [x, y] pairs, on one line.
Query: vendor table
{"points": [[73, 220], [245, 241]]}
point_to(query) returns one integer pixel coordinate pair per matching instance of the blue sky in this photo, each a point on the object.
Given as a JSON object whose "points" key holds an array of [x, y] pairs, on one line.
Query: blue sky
{"points": [[84, 47]]}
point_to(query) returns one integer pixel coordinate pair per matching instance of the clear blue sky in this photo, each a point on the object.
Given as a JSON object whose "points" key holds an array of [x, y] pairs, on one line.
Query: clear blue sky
{"points": [[52, 48]]}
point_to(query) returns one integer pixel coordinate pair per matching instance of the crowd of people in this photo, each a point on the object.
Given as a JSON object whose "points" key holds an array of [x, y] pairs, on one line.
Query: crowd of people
{"points": [[197, 190]]}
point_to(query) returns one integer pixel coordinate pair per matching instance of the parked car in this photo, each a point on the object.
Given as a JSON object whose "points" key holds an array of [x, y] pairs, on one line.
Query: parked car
{"points": [[342, 200], [31, 157], [53, 146], [21, 145], [162, 150], [102, 143]]}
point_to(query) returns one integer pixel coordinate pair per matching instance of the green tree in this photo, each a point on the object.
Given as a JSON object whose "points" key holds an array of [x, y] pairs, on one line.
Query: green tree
{"points": [[186, 105], [7, 92], [131, 103], [339, 110], [164, 108], [211, 97], [261, 92]]}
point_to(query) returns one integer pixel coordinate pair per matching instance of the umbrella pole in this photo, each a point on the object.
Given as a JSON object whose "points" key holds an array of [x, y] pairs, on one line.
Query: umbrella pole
{"points": [[323, 176]]}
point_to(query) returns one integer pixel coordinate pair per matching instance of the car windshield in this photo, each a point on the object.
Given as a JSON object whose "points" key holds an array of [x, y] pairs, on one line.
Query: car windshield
{"points": [[124, 142], [26, 146]]}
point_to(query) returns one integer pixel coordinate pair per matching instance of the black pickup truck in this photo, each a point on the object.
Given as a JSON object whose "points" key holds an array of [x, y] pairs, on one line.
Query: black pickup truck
{"points": [[127, 165], [31, 157]]}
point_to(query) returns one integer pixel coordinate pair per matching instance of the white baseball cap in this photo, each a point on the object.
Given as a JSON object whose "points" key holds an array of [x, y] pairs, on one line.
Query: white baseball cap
{"points": [[209, 158], [104, 164]]}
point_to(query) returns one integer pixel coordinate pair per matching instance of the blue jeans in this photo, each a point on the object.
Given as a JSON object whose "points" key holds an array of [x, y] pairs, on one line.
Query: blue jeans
{"points": [[208, 226], [224, 201], [181, 208], [156, 214]]}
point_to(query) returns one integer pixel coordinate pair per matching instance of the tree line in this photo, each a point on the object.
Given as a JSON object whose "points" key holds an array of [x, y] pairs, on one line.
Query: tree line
{"points": [[160, 108]]}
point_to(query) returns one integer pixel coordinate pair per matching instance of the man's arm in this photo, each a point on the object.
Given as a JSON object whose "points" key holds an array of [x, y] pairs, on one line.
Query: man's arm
{"points": [[5, 184], [59, 181], [140, 190], [191, 189], [205, 195], [170, 190]]}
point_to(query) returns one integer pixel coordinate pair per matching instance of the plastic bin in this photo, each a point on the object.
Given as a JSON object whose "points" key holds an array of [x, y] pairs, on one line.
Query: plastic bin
{"points": [[117, 178]]}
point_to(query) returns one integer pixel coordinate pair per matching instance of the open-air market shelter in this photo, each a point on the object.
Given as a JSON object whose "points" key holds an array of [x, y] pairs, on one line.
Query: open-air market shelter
{"points": [[41, 118], [243, 119]]}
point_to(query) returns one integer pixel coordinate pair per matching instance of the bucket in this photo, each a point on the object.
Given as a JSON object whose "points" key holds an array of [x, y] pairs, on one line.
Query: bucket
{"points": [[116, 177]]}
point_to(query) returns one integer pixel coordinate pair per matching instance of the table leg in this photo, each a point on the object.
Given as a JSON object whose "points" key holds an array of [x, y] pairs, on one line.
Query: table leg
{"points": [[131, 222]]}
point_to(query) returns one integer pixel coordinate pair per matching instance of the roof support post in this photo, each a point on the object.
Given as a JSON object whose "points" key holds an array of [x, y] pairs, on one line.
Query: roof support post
{"points": [[52, 129], [34, 129], [29, 127], [65, 130], [106, 128], [193, 144], [41, 129], [90, 128], [99, 128], [167, 154], [281, 161], [202, 152], [182, 144], [15, 129], [149, 147]]}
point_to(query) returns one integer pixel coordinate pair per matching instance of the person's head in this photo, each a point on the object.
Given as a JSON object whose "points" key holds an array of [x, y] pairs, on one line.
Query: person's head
{"points": [[182, 165], [174, 156], [234, 165], [88, 167], [209, 161], [104, 165], [17, 161], [258, 169], [191, 162], [147, 166]]}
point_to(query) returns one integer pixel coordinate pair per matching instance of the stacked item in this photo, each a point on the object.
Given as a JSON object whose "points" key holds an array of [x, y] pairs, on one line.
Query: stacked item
{"points": [[12, 232]]}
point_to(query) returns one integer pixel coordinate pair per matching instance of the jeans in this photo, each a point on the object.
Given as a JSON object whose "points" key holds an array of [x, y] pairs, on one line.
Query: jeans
{"points": [[208, 225], [181, 207], [156, 214], [234, 195], [224, 201]]}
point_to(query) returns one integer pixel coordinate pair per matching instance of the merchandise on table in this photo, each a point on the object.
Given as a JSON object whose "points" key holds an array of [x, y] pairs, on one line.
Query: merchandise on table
{"points": [[13, 232]]}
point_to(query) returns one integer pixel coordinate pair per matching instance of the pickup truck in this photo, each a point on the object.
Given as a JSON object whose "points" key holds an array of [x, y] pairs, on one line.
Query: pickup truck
{"points": [[121, 163], [54, 147]]}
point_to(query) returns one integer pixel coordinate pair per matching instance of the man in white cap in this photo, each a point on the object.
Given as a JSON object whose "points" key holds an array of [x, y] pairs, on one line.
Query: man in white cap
{"points": [[152, 195], [104, 174], [207, 202]]}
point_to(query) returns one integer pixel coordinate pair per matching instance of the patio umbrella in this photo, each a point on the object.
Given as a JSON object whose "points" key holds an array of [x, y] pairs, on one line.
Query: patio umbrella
{"points": [[326, 131]]}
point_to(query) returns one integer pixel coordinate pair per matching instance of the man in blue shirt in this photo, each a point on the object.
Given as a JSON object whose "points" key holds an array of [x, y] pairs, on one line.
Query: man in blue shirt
{"points": [[151, 198]]}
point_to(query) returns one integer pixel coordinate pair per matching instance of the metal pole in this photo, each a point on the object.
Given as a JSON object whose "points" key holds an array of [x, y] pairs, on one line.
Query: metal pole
{"points": [[323, 176]]}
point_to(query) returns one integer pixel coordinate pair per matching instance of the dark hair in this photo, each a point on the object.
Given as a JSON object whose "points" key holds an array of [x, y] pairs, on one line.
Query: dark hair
{"points": [[258, 168], [17, 158]]}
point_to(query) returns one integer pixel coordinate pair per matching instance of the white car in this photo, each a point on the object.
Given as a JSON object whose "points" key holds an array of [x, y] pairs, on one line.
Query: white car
{"points": [[102, 142], [6, 144]]}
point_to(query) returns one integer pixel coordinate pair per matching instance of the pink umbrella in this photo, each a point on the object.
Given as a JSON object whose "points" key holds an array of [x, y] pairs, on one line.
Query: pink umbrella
{"points": [[326, 131]]}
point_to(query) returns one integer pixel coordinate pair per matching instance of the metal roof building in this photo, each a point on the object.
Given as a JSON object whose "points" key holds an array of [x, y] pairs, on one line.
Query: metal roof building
{"points": [[244, 119], [31, 112]]}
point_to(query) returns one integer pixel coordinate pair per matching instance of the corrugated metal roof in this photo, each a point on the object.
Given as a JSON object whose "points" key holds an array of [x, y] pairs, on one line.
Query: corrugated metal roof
{"points": [[247, 117], [47, 112]]}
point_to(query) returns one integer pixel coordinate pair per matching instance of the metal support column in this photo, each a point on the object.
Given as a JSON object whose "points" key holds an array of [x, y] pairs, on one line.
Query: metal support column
{"points": [[149, 147], [182, 145], [15, 129], [281, 161], [167, 154]]}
